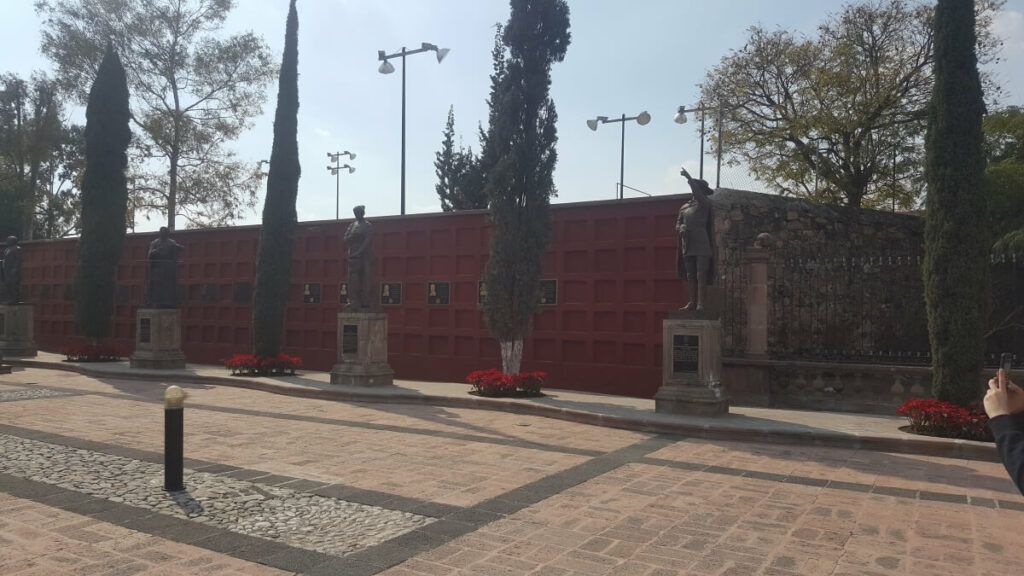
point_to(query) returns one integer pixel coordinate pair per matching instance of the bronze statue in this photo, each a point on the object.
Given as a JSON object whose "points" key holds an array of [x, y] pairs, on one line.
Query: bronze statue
{"points": [[695, 256], [359, 241], [10, 272], [162, 285]]}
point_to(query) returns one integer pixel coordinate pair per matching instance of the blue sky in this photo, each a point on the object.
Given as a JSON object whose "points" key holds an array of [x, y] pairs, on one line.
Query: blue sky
{"points": [[624, 58]]}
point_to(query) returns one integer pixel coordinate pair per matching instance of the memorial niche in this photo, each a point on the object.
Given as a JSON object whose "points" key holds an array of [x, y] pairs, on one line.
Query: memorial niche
{"points": [[439, 293], [391, 293]]}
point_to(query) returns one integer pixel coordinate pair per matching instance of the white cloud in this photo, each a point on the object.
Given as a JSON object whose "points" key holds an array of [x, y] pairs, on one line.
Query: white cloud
{"points": [[322, 132]]}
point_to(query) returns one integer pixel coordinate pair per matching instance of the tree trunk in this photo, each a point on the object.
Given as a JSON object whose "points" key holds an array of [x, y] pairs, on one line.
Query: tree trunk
{"points": [[511, 356], [172, 190]]}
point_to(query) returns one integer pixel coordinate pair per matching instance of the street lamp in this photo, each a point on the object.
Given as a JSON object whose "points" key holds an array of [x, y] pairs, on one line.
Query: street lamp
{"points": [[387, 68], [680, 118], [336, 172], [642, 119]]}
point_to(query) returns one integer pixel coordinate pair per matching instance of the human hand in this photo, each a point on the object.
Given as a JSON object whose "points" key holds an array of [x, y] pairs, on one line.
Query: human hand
{"points": [[1003, 397]]}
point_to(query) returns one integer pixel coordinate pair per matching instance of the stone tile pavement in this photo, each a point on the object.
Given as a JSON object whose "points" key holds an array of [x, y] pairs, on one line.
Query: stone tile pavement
{"points": [[503, 493]]}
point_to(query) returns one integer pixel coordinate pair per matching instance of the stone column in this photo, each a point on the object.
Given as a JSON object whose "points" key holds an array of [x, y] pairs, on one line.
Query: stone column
{"points": [[17, 331], [691, 365], [158, 339], [756, 301], [362, 350]]}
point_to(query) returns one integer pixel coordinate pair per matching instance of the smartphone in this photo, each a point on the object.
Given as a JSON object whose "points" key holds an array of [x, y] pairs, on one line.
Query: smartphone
{"points": [[1006, 362]]}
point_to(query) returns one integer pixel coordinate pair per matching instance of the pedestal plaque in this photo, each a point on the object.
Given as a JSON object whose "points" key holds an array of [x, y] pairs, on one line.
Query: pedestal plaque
{"points": [[362, 350], [691, 366], [158, 340], [16, 331]]}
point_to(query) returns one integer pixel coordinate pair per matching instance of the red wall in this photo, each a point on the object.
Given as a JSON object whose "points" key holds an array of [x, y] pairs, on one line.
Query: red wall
{"points": [[614, 262]]}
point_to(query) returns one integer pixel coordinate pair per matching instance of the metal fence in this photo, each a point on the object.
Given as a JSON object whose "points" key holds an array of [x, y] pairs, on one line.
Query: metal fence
{"points": [[871, 309]]}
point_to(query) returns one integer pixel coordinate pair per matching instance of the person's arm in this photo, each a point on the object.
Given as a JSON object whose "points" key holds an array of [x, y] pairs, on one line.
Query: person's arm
{"points": [[1008, 430]]}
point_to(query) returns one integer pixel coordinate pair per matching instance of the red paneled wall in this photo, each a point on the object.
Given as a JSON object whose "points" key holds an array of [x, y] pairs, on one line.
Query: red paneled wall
{"points": [[614, 263]]}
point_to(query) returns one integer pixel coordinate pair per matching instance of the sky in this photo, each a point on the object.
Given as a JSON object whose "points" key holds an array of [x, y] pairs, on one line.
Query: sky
{"points": [[625, 58]]}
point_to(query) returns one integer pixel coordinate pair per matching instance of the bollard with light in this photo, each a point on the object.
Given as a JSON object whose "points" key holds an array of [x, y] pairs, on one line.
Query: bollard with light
{"points": [[174, 439], [642, 119]]}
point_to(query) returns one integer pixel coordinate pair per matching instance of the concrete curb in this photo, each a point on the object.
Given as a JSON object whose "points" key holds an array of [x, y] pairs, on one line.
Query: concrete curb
{"points": [[910, 444]]}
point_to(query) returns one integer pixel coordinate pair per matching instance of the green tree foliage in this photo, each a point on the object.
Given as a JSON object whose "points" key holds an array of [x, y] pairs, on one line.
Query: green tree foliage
{"points": [[274, 261], [458, 183], [957, 240], [194, 90], [522, 138], [838, 117], [1004, 134], [104, 197], [40, 160]]}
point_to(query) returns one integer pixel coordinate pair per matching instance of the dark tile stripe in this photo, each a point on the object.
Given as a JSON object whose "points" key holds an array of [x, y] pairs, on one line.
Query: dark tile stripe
{"points": [[477, 438]]}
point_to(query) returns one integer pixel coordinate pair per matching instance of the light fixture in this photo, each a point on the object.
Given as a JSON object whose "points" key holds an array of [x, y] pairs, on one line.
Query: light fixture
{"points": [[643, 118], [386, 68], [680, 115], [351, 169], [592, 124]]}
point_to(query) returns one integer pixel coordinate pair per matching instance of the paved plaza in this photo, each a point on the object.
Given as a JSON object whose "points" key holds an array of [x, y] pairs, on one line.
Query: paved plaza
{"points": [[285, 485]]}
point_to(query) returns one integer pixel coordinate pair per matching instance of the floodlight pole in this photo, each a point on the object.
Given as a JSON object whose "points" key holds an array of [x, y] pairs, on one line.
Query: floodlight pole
{"points": [[642, 119]]}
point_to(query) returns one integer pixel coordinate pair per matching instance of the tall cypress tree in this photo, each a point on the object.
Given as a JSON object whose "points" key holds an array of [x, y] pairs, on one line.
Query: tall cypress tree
{"points": [[104, 197], [522, 138], [274, 261], [956, 233]]}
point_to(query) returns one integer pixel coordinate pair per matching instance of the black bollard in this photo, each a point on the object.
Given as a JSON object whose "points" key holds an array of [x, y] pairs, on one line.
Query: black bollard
{"points": [[174, 439]]}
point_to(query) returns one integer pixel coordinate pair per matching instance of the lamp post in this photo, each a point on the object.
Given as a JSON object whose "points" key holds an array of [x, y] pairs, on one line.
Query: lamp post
{"points": [[642, 119], [336, 172], [387, 68], [680, 118]]}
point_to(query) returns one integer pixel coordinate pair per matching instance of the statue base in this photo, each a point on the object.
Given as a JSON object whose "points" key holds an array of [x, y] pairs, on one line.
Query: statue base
{"points": [[362, 350], [691, 365], [17, 331], [157, 340]]}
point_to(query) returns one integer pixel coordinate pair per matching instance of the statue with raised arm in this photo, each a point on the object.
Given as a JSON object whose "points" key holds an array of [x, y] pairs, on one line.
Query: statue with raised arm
{"points": [[10, 272], [162, 283], [359, 241], [695, 255]]}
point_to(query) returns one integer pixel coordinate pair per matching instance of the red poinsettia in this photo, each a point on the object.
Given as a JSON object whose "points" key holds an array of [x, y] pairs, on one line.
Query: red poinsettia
{"points": [[252, 365], [937, 418], [494, 382]]}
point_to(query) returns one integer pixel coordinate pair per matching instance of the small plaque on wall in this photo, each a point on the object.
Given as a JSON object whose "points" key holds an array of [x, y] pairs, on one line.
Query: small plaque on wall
{"points": [[145, 330], [439, 293], [685, 353], [391, 293], [548, 292], [311, 293], [343, 294], [242, 293], [210, 293], [349, 339], [481, 293]]}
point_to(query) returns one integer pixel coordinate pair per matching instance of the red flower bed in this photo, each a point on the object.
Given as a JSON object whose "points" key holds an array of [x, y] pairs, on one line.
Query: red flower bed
{"points": [[251, 365], [937, 418], [90, 353], [494, 382]]}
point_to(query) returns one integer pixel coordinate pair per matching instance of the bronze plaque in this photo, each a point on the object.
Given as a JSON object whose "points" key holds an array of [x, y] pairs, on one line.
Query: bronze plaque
{"points": [[210, 293], [391, 293], [481, 293], [311, 293], [548, 292], [439, 293], [349, 339], [343, 294], [145, 330], [685, 353]]}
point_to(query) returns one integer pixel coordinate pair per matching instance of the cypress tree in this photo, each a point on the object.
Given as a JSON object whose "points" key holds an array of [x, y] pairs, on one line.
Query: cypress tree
{"points": [[956, 233], [522, 138], [274, 261], [104, 197]]}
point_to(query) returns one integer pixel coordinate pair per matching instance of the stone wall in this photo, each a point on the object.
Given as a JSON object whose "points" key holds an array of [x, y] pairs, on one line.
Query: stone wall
{"points": [[842, 282]]}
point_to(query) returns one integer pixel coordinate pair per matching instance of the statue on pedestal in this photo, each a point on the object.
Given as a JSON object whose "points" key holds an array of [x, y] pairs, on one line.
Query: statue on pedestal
{"points": [[695, 256], [10, 272], [359, 241], [162, 284]]}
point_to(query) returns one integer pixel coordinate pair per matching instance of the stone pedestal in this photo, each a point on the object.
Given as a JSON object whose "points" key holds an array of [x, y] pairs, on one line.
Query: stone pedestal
{"points": [[362, 350], [691, 366], [16, 331], [157, 340]]}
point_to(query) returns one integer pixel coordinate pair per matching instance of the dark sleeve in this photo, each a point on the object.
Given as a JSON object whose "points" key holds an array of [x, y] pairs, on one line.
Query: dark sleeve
{"points": [[1009, 435]]}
